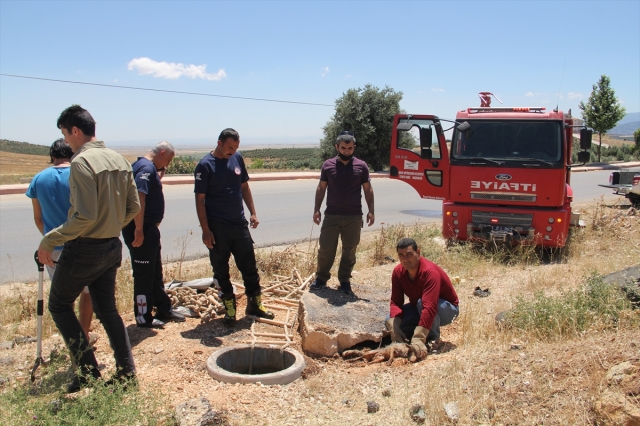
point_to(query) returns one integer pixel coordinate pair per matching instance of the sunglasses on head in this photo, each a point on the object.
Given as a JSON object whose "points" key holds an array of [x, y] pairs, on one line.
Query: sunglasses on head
{"points": [[345, 132]]}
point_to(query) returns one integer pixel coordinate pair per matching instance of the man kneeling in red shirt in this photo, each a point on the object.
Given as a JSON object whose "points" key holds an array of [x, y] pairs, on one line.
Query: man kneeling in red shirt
{"points": [[433, 301]]}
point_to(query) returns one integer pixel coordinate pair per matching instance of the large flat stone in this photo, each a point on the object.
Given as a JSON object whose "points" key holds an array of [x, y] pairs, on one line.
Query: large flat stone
{"points": [[331, 321]]}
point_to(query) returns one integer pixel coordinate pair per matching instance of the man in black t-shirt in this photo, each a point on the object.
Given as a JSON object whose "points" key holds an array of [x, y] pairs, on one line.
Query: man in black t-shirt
{"points": [[221, 185], [142, 236]]}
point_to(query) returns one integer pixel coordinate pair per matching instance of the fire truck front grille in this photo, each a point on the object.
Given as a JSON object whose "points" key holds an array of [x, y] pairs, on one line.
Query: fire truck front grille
{"points": [[511, 220], [501, 196]]}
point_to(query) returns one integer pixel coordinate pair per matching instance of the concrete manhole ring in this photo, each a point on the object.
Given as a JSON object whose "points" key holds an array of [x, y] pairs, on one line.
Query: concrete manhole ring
{"points": [[268, 365]]}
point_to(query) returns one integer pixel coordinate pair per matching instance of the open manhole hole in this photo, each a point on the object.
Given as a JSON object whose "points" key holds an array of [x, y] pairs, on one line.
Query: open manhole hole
{"points": [[267, 365]]}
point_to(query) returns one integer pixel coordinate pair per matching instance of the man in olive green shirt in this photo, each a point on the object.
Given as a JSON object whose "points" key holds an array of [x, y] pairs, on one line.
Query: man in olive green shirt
{"points": [[104, 198]]}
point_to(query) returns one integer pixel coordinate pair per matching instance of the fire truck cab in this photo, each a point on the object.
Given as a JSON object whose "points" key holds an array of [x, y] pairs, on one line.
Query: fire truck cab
{"points": [[504, 177]]}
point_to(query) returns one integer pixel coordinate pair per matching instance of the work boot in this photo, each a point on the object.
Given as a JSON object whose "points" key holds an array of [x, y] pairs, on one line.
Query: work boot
{"points": [[317, 284], [229, 310], [256, 308], [345, 287]]}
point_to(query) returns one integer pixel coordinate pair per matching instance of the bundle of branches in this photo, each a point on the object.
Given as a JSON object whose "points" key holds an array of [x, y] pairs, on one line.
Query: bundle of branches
{"points": [[205, 305]]}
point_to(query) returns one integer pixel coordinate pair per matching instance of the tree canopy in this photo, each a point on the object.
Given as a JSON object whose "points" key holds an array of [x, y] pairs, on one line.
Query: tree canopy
{"points": [[602, 111], [368, 113]]}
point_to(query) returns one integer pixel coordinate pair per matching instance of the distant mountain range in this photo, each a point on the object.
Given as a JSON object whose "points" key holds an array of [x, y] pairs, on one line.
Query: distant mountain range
{"points": [[629, 124]]}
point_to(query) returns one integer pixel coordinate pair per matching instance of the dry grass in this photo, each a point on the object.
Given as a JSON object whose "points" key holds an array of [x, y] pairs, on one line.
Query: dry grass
{"points": [[514, 376], [16, 166]]}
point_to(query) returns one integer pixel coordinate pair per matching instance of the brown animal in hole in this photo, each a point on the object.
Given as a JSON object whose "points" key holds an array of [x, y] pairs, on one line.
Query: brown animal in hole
{"points": [[388, 353]]}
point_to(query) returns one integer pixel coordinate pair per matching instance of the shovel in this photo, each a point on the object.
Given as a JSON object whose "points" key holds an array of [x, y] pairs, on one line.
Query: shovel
{"points": [[39, 312]]}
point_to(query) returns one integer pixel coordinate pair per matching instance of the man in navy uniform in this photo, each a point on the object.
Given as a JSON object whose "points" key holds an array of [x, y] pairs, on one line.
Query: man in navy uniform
{"points": [[142, 236], [221, 185]]}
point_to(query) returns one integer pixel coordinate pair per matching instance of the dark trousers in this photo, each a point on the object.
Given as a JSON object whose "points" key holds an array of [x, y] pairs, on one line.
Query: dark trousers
{"points": [[236, 240], [92, 263], [146, 263], [348, 229], [445, 315]]}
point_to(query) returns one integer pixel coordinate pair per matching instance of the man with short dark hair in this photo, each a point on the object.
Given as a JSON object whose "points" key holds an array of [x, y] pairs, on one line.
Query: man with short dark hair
{"points": [[49, 192], [221, 185], [104, 198], [343, 176], [433, 301], [142, 237]]}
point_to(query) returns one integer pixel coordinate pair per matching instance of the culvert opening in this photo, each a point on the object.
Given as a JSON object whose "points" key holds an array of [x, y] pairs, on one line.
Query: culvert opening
{"points": [[267, 365], [265, 360]]}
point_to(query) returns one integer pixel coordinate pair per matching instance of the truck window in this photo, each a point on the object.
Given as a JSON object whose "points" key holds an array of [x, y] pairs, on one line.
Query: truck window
{"points": [[509, 140], [411, 139]]}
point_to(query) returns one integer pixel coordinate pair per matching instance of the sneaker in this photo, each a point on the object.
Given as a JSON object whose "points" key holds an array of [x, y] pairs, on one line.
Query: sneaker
{"points": [[256, 308], [318, 284], [81, 381], [170, 316], [481, 293], [77, 383], [156, 323], [345, 287], [229, 310], [93, 338], [124, 381]]}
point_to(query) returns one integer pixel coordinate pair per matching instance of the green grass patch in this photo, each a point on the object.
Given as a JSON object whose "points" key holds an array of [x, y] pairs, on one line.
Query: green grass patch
{"points": [[594, 306], [44, 403], [23, 147]]}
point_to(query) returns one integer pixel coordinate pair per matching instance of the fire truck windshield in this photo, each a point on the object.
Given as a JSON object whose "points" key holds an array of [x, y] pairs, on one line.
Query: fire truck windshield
{"points": [[510, 141]]}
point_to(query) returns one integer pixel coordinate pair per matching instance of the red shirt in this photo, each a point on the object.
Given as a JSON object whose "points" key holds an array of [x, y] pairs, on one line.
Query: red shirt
{"points": [[430, 284]]}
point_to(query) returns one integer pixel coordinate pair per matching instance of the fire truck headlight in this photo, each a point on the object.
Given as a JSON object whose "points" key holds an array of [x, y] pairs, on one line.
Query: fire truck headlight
{"points": [[455, 214], [547, 237], [456, 231], [550, 220], [455, 222], [549, 229]]}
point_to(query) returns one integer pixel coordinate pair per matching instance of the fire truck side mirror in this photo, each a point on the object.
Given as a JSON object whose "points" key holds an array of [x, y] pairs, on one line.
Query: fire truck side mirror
{"points": [[584, 157], [426, 133], [585, 138]]}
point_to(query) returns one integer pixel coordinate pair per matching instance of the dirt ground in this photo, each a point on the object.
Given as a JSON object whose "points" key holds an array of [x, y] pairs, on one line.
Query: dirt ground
{"points": [[490, 378]]}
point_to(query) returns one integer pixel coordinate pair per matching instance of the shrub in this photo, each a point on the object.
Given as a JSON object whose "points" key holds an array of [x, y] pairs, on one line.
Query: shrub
{"points": [[595, 306]]}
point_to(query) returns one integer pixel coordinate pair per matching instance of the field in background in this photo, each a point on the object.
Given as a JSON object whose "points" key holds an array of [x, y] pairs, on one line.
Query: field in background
{"points": [[14, 166]]}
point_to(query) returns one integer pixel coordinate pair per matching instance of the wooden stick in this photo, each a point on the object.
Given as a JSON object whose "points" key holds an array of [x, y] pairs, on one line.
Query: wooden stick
{"points": [[294, 291], [281, 336], [299, 278], [304, 284], [286, 321], [279, 308], [267, 342], [266, 321], [264, 290], [292, 303]]}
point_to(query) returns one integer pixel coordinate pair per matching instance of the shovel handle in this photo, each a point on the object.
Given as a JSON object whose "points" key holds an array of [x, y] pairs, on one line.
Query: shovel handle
{"points": [[40, 265]]}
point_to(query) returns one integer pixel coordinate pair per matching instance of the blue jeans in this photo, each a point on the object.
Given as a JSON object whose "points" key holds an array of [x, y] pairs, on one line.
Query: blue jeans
{"points": [[93, 263], [447, 312]]}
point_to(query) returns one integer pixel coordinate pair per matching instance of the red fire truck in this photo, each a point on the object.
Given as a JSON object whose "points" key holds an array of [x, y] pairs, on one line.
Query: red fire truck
{"points": [[505, 176]]}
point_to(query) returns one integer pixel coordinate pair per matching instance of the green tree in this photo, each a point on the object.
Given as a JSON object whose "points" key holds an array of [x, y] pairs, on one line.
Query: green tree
{"points": [[602, 111], [368, 113], [636, 138]]}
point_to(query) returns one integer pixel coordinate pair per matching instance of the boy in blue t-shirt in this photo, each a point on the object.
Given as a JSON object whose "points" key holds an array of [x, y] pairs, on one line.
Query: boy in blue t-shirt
{"points": [[50, 195]]}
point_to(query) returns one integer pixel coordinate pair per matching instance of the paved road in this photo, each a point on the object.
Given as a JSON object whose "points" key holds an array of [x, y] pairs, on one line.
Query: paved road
{"points": [[284, 210]]}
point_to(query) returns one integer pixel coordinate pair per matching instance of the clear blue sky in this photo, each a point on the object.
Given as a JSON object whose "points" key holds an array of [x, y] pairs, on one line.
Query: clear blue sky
{"points": [[439, 54]]}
